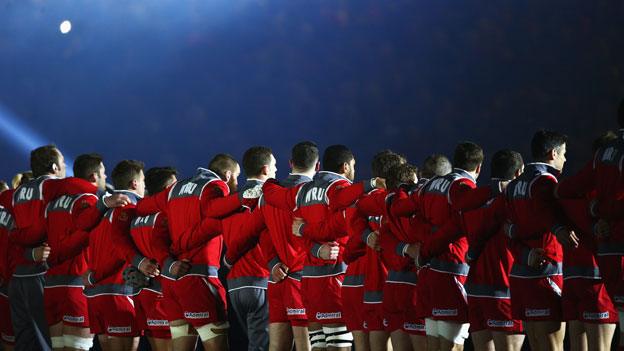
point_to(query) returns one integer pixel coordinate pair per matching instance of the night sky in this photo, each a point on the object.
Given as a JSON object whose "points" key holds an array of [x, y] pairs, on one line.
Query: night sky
{"points": [[172, 82]]}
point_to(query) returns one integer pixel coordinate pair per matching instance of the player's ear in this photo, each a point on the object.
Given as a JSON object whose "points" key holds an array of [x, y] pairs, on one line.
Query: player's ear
{"points": [[265, 170], [552, 154], [228, 175], [478, 170], [318, 166], [92, 177]]}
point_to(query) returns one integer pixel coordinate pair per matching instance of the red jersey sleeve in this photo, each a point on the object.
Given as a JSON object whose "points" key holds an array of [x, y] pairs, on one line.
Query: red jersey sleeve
{"points": [[373, 204], [280, 197], [578, 185], [154, 203], [217, 202], [241, 233], [343, 194], [330, 229]]}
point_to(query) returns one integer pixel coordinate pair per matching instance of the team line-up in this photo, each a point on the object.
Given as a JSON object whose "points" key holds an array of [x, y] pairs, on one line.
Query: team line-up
{"points": [[411, 259]]}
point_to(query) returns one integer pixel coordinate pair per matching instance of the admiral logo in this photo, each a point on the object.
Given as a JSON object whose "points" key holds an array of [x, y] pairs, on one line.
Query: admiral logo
{"points": [[8, 338], [364, 325], [196, 315], [594, 316], [187, 189], [545, 312], [295, 311], [444, 312], [74, 319], [119, 330], [414, 327], [499, 324], [385, 322], [157, 323], [315, 194], [328, 315]]}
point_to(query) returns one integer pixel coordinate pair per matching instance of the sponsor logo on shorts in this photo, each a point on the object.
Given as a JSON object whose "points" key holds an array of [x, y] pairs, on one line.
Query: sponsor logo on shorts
{"points": [[438, 312], [196, 315], [385, 322], [73, 319], [537, 312], [499, 324], [8, 338], [119, 330], [295, 311], [328, 315], [618, 299], [414, 327], [157, 323], [594, 316], [365, 325]]}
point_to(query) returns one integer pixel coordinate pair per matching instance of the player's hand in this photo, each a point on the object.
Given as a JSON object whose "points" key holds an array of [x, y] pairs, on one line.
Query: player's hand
{"points": [[180, 268], [329, 251], [413, 251], [537, 258], [296, 226], [567, 238], [85, 279], [149, 267], [41, 253], [279, 272], [116, 200], [372, 240], [602, 229]]}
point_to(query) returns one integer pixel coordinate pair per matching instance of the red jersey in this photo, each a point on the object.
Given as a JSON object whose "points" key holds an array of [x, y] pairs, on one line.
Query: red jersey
{"points": [[68, 220], [6, 225], [250, 269], [314, 201], [603, 177], [531, 206], [580, 262], [29, 203], [150, 235], [111, 250], [192, 207]]}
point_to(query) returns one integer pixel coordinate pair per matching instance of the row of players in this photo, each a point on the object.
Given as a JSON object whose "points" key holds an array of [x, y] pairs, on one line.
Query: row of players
{"points": [[330, 263]]}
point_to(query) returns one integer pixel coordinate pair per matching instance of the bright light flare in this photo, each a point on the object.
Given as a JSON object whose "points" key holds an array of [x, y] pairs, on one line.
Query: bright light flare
{"points": [[65, 27]]}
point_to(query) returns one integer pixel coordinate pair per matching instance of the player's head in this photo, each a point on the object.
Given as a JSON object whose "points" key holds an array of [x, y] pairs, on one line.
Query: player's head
{"points": [[403, 173], [159, 178], [227, 168], [506, 164], [47, 159], [90, 168], [435, 165], [128, 175], [468, 156], [21, 178], [259, 162], [304, 157], [339, 159], [603, 140], [549, 147], [383, 161], [3, 186]]}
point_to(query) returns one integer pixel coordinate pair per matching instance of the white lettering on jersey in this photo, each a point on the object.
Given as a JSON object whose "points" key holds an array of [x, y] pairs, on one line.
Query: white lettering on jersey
{"points": [[187, 189], [521, 189], [440, 185], [25, 194], [315, 194]]}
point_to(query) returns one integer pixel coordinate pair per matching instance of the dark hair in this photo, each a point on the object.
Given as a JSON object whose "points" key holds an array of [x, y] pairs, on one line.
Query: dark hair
{"points": [[156, 179], [222, 163], [621, 114], [125, 172], [335, 156], [468, 156], [505, 164], [3, 186], [383, 161], [304, 155], [603, 140], [42, 159], [545, 141], [255, 158], [401, 174], [87, 164], [435, 165]]}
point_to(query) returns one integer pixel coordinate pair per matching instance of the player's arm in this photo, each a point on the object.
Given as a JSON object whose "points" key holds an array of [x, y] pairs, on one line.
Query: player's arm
{"points": [[280, 197], [342, 194]]}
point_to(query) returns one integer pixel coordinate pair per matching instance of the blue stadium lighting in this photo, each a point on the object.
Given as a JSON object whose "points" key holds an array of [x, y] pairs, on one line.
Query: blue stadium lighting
{"points": [[22, 136]]}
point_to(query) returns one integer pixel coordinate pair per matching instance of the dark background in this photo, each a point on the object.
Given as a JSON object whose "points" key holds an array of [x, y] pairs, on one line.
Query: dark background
{"points": [[173, 82]]}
